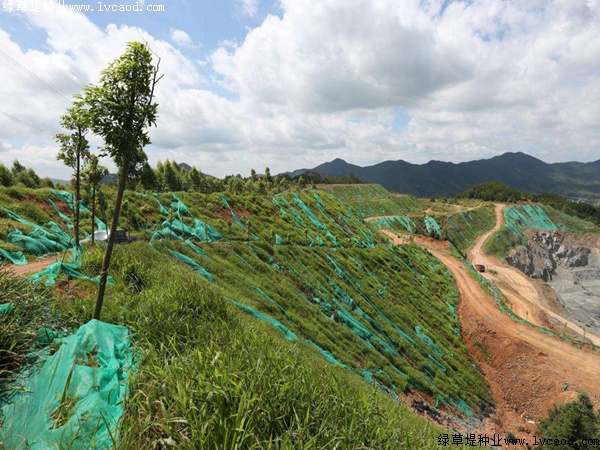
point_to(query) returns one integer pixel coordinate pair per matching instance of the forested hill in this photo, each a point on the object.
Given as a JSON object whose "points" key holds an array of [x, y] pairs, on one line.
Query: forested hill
{"points": [[436, 178]]}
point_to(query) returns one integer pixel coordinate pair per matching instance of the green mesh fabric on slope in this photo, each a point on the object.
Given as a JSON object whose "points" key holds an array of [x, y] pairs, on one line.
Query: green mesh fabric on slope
{"points": [[289, 334], [6, 308], [63, 216], [279, 240], [75, 399], [39, 242], [529, 216], [50, 273], [432, 226], [428, 340], [18, 218], [235, 219], [17, 258], [193, 264], [100, 225], [178, 206], [306, 210], [177, 229], [395, 222], [164, 211], [69, 199]]}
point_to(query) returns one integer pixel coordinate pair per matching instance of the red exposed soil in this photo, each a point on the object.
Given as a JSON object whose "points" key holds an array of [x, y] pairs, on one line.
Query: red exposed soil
{"points": [[33, 266], [528, 370]]}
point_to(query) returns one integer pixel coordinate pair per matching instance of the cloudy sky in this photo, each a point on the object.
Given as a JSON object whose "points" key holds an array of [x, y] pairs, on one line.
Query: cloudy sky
{"points": [[295, 83]]}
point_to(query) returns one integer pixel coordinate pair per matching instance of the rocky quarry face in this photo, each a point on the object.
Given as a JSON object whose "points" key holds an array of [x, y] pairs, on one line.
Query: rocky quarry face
{"points": [[571, 270], [545, 251]]}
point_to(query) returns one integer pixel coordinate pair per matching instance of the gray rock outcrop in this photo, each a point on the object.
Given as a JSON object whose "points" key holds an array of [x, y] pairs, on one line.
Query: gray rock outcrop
{"points": [[545, 251]]}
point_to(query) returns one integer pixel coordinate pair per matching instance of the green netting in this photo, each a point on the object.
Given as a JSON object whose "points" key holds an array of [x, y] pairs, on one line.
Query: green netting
{"points": [[462, 405], [279, 240], [241, 258], [161, 208], [194, 247], [69, 199], [40, 241], [16, 258], [235, 219], [306, 210], [529, 216], [432, 226], [289, 334], [281, 209], [100, 225], [270, 300], [50, 273], [75, 398], [193, 264], [327, 354], [29, 244], [178, 206], [18, 218], [428, 340], [6, 308], [396, 222], [177, 229], [63, 216]]}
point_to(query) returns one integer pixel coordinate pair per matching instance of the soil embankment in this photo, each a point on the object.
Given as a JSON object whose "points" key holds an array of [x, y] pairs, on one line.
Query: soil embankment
{"points": [[528, 370]]}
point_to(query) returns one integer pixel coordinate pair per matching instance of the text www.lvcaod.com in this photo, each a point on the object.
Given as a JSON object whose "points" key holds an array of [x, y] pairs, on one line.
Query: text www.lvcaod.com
{"points": [[40, 6]]}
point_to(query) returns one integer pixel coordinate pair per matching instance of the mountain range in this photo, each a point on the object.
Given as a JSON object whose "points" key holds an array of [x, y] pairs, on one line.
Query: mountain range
{"points": [[437, 178]]}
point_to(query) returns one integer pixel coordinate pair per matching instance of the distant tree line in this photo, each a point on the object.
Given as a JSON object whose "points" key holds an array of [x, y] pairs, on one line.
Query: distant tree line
{"points": [[19, 175], [495, 191]]}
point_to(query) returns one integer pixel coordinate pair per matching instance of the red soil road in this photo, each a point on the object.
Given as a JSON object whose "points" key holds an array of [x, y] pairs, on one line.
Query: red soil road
{"points": [[34, 266], [528, 370], [525, 295]]}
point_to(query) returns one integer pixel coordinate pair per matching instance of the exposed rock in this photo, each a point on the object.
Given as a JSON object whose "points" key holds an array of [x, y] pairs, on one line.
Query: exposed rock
{"points": [[545, 251]]}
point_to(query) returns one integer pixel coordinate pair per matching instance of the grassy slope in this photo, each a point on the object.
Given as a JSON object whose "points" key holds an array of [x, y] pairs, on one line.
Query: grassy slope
{"points": [[208, 369]]}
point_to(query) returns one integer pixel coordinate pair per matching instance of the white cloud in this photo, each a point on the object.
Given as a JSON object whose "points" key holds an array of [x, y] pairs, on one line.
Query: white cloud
{"points": [[324, 79], [248, 8], [181, 38]]}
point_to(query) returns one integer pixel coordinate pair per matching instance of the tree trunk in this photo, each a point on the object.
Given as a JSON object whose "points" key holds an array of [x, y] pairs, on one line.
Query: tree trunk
{"points": [[77, 193], [111, 239], [93, 212]]}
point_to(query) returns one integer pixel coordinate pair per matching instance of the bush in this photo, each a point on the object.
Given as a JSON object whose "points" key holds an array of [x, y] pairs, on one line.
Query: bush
{"points": [[574, 421]]}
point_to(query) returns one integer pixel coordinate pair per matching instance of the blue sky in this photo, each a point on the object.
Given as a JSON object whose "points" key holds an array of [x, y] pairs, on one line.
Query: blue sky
{"points": [[295, 83]]}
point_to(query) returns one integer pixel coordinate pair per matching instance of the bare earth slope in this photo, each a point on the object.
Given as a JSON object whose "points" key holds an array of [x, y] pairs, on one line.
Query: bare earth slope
{"points": [[527, 369], [527, 297]]}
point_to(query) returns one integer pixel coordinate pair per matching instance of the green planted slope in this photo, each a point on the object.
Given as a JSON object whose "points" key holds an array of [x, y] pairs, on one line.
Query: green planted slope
{"points": [[278, 320]]}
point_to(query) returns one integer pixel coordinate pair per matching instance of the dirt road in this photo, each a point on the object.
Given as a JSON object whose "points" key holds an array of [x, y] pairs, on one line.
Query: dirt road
{"points": [[528, 370], [34, 266], [525, 295]]}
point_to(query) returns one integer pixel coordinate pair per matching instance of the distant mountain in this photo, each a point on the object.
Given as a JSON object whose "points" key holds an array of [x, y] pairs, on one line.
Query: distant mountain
{"points": [[437, 178]]}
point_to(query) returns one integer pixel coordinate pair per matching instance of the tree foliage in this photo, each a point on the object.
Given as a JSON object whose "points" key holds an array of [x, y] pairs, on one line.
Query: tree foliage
{"points": [[574, 421], [121, 108]]}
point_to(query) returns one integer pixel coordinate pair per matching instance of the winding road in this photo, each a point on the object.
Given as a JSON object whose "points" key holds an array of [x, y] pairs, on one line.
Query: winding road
{"points": [[528, 370]]}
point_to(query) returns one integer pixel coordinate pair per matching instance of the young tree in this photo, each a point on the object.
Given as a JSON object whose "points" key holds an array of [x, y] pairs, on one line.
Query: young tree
{"points": [[92, 175], [121, 108], [74, 151]]}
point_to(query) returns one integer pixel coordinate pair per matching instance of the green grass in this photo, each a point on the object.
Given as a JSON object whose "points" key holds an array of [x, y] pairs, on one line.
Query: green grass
{"points": [[20, 326], [214, 377], [373, 200]]}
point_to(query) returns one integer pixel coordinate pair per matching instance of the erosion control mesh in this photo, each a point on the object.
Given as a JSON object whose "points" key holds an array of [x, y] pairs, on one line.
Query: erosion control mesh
{"points": [[74, 398]]}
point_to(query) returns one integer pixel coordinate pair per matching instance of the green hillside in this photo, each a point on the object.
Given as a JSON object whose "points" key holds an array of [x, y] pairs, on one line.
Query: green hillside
{"points": [[253, 315]]}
